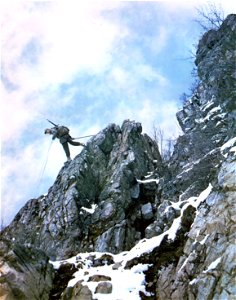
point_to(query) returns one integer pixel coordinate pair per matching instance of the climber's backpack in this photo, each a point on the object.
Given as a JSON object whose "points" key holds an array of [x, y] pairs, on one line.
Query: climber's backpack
{"points": [[63, 130]]}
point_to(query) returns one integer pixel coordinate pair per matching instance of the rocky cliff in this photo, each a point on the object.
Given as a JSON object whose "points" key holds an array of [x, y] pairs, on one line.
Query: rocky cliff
{"points": [[96, 201], [118, 196]]}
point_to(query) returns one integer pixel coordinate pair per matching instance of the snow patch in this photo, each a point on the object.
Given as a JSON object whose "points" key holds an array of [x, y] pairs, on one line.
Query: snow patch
{"points": [[213, 265], [211, 115], [175, 205], [193, 281], [208, 105], [185, 262], [228, 144], [127, 283], [90, 210], [149, 175], [213, 110], [203, 196], [202, 242], [233, 149], [188, 167], [148, 181], [195, 202]]}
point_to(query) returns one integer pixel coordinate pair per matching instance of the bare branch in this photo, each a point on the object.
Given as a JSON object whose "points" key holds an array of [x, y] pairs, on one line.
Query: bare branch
{"points": [[166, 145], [210, 16]]}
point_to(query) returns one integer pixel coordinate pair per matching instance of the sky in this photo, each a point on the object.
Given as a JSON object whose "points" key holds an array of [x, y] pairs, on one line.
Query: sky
{"points": [[86, 65], [127, 282]]}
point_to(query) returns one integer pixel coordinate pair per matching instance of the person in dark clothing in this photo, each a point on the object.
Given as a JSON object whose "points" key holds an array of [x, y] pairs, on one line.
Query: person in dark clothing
{"points": [[62, 133]]}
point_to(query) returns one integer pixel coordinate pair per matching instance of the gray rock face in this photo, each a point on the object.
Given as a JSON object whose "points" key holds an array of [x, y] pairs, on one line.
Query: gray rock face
{"points": [[78, 292], [25, 272], [206, 269], [104, 287], [118, 191], [207, 266], [147, 211], [104, 176], [208, 119]]}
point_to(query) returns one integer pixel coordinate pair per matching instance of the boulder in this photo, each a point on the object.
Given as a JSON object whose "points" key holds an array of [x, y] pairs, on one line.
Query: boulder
{"points": [[104, 288], [25, 272]]}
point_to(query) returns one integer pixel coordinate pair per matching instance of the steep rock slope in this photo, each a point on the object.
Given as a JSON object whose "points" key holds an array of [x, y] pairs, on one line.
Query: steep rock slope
{"points": [[208, 118], [203, 266], [177, 219], [206, 267], [95, 203]]}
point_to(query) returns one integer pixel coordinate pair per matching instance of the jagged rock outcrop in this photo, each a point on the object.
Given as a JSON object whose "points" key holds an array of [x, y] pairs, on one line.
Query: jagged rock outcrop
{"points": [[206, 267], [118, 191], [102, 179], [208, 118]]}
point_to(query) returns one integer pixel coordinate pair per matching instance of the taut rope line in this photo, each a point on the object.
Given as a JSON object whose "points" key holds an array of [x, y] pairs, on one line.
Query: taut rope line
{"points": [[44, 166], [82, 137]]}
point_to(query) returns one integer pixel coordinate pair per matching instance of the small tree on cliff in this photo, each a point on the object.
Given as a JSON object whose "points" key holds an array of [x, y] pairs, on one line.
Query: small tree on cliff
{"points": [[210, 16], [166, 145]]}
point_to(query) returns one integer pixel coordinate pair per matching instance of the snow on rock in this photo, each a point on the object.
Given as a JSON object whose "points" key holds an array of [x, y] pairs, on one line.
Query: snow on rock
{"points": [[202, 242], [189, 246], [229, 146], [233, 149], [211, 115], [208, 105], [185, 262], [148, 181], [195, 202], [124, 283], [213, 265], [90, 210]]}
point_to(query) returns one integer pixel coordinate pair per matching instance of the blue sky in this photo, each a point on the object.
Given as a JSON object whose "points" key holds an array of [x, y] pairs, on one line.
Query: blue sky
{"points": [[86, 65]]}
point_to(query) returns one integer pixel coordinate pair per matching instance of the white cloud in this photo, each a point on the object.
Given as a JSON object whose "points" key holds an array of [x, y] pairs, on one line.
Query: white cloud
{"points": [[70, 39], [158, 42], [16, 113], [150, 114], [131, 78], [120, 76], [45, 44], [21, 172], [148, 73], [78, 39], [49, 43]]}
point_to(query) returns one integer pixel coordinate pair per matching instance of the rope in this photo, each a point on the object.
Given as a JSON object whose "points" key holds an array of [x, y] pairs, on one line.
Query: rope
{"points": [[44, 166], [82, 137]]}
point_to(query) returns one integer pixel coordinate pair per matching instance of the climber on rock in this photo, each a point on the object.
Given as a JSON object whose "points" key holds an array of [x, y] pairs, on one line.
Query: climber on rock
{"points": [[62, 133]]}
